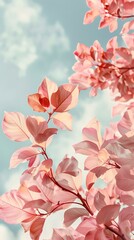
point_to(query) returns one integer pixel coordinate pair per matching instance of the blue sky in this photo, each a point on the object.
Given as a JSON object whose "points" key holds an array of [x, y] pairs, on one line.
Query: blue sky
{"points": [[37, 40]]}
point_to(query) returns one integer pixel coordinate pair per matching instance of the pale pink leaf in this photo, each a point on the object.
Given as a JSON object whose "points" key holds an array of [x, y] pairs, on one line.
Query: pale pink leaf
{"points": [[66, 234], [63, 120], [127, 27], [11, 208], [22, 155], [118, 109], [39, 204], [92, 132], [14, 126], [72, 214], [90, 16], [107, 213], [86, 147]]}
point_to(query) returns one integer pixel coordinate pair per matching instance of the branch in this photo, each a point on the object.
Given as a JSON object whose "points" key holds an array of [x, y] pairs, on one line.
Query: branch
{"points": [[117, 233]]}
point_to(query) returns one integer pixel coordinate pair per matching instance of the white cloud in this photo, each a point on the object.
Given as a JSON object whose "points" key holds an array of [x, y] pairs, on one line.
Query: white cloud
{"points": [[55, 37], [58, 72], [22, 235], [51, 223], [20, 12], [2, 4], [13, 180], [27, 34], [6, 233]]}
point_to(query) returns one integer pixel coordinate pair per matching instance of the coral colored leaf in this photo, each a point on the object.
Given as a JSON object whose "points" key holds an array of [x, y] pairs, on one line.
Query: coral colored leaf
{"points": [[11, 208], [107, 213], [90, 180], [72, 214], [22, 155], [44, 102], [65, 98], [14, 126], [34, 100], [125, 178], [36, 228], [63, 120]]}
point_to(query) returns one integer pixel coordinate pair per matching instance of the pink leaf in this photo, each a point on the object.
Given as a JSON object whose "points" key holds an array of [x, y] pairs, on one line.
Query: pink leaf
{"points": [[38, 128], [65, 98], [125, 178], [63, 120], [107, 213], [69, 166], [90, 16], [86, 225], [14, 126], [72, 214], [46, 165], [22, 155], [127, 214], [92, 132], [46, 135], [47, 88], [99, 200], [36, 125], [67, 233], [118, 109]]}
